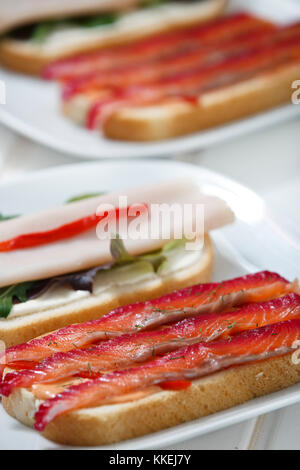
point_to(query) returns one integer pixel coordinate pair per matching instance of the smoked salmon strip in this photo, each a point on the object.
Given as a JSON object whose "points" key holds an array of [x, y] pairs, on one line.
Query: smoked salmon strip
{"points": [[197, 80], [199, 53], [175, 67], [185, 303], [188, 363], [127, 350], [155, 47]]}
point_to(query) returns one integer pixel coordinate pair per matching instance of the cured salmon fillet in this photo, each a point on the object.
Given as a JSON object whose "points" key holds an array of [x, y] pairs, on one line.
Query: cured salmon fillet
{"points": [[185, 303], [154, 47], [188, 363], [196, 81], [198, 54], [127, 350], [179, 73]]}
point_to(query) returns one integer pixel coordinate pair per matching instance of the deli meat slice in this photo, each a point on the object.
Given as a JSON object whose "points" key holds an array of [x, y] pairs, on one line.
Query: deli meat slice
{"points": [[86, 250]]}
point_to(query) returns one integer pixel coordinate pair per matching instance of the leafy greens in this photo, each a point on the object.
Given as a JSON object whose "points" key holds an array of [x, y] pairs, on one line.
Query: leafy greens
{"points": [[8, 294], [82, 280]]}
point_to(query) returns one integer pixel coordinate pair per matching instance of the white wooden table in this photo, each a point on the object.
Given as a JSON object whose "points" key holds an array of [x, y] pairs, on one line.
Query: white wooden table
{"points": [[269, 163]]}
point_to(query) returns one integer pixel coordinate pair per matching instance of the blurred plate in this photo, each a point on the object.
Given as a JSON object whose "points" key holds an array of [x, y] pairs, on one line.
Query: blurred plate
{"points": [[257, 240], [32, 110]]}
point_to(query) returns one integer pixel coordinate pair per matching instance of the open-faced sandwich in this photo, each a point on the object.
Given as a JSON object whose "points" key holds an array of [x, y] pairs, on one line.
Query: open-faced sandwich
{"points": [[177, 83], [148, 366], [56, 270], [36, 32]]}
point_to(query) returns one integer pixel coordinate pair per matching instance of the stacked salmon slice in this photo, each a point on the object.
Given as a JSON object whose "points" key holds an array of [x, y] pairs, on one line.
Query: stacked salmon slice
{"points": [[161, 344], [177, 66]]}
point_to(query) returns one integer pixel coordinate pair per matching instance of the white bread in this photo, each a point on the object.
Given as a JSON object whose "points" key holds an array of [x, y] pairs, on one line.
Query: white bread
{"points": [[17, 330], [30, 58], [158, 122], [112, 423]]}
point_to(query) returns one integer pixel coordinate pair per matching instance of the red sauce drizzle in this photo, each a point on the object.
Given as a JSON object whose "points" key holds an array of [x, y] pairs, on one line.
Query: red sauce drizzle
{"points": [[69, 230]]}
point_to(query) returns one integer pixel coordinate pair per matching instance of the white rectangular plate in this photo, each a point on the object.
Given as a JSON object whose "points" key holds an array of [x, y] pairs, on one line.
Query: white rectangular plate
{"points": [[256, 241], [32, 109]]}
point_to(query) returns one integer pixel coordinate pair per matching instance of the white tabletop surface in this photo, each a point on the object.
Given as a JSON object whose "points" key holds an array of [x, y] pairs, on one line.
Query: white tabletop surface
{"points": [[269, 163]]}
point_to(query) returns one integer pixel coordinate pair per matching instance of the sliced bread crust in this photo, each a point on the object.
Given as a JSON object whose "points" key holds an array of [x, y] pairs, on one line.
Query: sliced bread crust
{"points": [[214, 108]]}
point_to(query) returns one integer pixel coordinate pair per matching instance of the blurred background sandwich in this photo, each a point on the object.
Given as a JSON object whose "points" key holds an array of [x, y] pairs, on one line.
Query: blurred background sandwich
{"points": [[35, 33]]}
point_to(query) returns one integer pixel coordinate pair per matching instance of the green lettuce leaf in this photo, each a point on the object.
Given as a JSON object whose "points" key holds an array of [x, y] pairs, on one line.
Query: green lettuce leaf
{"points": [[119, 252], [42, 30], [7, 217], [80, 197], [153, 3], [121, 255], [7, 294]]}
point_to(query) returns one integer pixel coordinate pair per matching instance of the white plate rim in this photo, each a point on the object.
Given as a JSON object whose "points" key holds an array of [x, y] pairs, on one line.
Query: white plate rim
{"points": [[162, 149]]}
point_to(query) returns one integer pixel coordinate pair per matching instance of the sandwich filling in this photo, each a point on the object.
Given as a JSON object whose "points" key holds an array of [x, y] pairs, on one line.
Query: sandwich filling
{"points": [[57, 257], [172, 258], [151, 16]]}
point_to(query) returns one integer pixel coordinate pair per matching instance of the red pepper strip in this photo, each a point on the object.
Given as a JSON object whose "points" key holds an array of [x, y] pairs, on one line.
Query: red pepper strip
{"points": [[175, 385], [69, 230]]}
